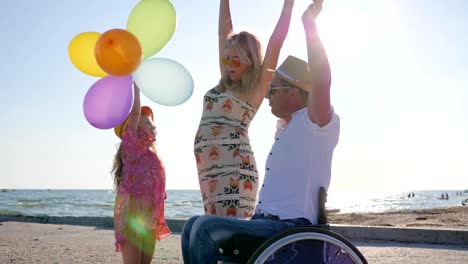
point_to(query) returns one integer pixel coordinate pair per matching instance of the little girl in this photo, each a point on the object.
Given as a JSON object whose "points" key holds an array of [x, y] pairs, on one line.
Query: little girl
{"points": [[140, 181]]}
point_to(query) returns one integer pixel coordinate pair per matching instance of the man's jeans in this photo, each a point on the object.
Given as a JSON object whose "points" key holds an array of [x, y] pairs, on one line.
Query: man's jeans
{"points": [[201, 235]]}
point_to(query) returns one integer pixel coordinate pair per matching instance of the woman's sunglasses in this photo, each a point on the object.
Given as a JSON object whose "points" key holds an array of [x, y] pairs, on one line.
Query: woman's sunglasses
{"points": [[233, 62], [271, 89]]}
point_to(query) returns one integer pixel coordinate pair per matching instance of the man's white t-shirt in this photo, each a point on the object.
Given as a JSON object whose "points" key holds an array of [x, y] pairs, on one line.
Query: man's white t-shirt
{"points": [[298, 164]]}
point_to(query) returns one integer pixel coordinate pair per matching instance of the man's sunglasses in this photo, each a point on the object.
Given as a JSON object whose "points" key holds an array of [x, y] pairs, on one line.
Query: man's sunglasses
{"points": [[271, 89], [234, 62]]}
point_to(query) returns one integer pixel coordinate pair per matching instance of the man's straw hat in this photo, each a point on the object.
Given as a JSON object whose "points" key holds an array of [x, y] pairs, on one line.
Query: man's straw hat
{"points": [[295, 71]]}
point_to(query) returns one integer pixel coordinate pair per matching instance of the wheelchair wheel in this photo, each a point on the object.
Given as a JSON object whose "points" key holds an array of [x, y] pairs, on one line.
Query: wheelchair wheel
{"points": [[307, 245]]}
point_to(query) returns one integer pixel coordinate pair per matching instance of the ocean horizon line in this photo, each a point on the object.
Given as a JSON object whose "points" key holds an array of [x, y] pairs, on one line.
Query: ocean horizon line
{"points": [[347, 190], [79, 189]]}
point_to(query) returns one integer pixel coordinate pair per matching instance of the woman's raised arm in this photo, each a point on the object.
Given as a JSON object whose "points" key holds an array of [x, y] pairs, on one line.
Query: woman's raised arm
{"points": [[224, 29], [272, 53]]}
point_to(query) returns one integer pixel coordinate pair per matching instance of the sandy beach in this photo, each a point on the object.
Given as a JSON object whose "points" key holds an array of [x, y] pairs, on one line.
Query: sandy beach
{"points": [[452, 217], [23, 242], [47, 243]]}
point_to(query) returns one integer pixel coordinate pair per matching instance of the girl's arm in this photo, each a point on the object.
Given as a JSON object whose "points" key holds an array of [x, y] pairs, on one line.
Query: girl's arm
{"points": [[224, 29], [134, 116], [133, 147], [272, 54]]}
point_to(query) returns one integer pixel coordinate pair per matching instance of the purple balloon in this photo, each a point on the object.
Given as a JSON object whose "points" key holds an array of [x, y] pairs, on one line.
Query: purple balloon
{"points": [[108, 101]]}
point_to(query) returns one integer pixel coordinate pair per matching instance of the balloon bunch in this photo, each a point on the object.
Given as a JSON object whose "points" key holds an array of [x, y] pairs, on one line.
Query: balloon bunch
{"points": [[122, 56]]}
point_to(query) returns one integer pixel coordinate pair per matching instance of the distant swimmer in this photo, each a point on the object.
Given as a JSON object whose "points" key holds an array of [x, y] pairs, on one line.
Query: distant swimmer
{"points": [[443, 196]]}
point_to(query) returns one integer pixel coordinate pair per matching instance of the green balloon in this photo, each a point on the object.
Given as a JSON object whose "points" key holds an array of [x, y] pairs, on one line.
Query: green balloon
{"points": [[153, 22]]}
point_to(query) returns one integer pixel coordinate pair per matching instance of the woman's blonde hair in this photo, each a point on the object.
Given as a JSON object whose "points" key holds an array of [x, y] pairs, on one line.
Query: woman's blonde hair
{"points": [[249, 49]]}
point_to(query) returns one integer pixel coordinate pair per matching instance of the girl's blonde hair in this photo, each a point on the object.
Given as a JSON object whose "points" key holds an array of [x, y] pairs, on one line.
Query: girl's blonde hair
{"points": [[249, 49], [117, 167]]}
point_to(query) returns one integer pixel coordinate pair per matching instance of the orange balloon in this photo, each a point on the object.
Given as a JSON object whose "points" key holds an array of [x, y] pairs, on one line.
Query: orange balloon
{"points": [[118, 52]]}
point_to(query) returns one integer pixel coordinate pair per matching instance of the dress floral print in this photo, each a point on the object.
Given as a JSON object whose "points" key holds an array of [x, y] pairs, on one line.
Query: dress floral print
{"points": [[226, 166], [141, 192]]}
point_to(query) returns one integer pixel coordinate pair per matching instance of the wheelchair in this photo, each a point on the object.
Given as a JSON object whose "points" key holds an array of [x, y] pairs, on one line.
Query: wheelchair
{"points": [[299, 244]]}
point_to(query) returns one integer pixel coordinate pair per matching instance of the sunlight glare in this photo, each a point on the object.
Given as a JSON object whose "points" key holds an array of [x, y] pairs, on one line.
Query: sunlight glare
{"points": [[347, 37]]}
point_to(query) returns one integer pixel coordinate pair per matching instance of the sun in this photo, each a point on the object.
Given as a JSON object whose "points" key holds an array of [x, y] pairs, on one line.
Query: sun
{"points": [[345, 38]]}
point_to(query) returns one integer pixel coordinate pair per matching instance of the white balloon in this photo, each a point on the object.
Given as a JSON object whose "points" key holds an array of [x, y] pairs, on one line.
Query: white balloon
{"points": [[164, 81]]}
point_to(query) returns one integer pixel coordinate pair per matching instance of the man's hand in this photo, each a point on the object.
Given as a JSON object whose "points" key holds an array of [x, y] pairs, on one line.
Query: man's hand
{"points": [[289, 3], [312, 12]]}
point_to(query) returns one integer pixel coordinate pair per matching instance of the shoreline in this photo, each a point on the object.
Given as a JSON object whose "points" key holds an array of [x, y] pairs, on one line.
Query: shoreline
{"points": [[433, 226], [449, 217]]}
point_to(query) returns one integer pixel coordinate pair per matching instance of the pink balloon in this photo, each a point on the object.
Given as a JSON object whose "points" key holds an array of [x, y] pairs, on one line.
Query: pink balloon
{"points": [[108, 101]]}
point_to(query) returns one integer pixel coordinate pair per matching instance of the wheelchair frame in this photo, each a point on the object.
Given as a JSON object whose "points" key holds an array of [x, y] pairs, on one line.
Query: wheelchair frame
{"points": [[343, 247]]}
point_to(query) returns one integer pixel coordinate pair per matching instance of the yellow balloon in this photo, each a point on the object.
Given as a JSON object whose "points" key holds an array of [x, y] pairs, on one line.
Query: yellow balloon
{"points": [[81, 53]]}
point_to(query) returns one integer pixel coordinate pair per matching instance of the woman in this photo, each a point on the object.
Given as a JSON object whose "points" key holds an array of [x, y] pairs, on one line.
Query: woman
{"points": [[227, 171]]}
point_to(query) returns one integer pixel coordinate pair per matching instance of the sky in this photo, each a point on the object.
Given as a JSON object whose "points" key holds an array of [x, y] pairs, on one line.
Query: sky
{"points": [[400, 87]]}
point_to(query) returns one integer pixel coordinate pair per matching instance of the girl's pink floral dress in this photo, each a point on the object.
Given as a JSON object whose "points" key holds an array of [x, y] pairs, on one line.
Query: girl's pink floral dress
{"points": [[139, 204]]}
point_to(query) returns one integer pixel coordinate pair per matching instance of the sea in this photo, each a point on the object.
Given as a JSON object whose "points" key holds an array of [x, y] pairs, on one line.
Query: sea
{"points": [[181, 204]]}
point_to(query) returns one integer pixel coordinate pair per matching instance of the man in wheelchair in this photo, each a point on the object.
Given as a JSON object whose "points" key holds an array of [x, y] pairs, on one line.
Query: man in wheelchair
{"points": [[297, 166]]}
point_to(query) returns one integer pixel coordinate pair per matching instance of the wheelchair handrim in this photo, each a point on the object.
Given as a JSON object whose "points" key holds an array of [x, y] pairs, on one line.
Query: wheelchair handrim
{"points": [[262, 258]]}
